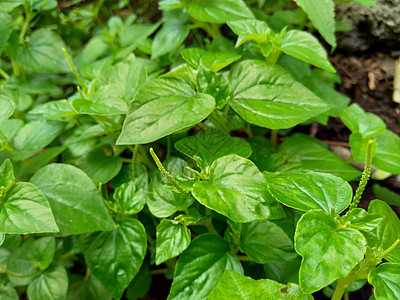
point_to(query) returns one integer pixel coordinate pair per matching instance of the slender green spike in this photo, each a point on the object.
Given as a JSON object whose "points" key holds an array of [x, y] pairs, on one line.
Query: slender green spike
{"points": [[73, 68], [165, 173], [364, 177]]}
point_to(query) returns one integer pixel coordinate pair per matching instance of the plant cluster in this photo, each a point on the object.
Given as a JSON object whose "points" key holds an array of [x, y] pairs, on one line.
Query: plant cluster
{"points": [[131, 148]]}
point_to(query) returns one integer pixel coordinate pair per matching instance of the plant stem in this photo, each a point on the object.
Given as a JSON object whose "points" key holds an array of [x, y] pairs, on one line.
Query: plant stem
{"points": [[197, 173], [28, 19], [73, 68], [244, 258], [4, 74], [134, 158], [274, 136], [364, 177], [158, 271], [165, 173], [388, 250]]}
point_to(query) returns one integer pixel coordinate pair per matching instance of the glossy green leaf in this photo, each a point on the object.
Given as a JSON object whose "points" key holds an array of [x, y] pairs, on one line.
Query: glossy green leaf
{"points": [[360, 219], [52, 284], [357, 120], [41, 5], [87, 288], [214, 84], [54, 109], [163, 199], [5, 28], [300, 152], [385, 279], [213, 61], [6, 174], [388, 229], [220, 11], [322, 14], [162, 107], [235, 286], [100, 164], [250, 29], [7, 107], [283, 271], [34, 256], [386, 195], [172, 239], [320, 241], [358, 146], [387, 157], [24, 209], [34, 136], [207, 146], [261, 91], [199, 268], [132, 195], [43, 53], [265, 241], [74, 199], [115, 256], [83, 106], [236, 189], [306, 47], [312, 190]]}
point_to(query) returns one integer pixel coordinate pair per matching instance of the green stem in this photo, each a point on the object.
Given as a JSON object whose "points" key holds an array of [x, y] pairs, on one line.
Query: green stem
{"points": [[209, 225], [158, 271], [342, 283], [143, 157], [73, 68], [15, 68], [20, 276], [134, 158], [28, 19], [202, 126], [364, 177], [244, 258], [197, 173], [388, 250], [4, 74], [274, 136], [165, 173]]}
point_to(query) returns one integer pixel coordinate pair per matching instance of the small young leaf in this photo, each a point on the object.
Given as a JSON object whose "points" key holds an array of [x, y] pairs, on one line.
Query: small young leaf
{"points": [[236, 189], [52, 284], [6, 174], [7, 107], [321, 243], [214, 84], [131, 196], [235, 286], [24, 209], [261, 91], [250, 29], [74, 199], [162, 107], [172, 239], [312, 190], [199, 268], [115, 256], [265, 241], [385, 279]]}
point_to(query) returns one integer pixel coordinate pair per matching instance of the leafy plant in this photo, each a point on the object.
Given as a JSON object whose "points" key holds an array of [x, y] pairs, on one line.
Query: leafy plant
{"points": [[89, 103]]}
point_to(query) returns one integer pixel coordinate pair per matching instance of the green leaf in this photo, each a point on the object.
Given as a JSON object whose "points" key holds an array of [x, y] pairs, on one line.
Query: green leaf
{"points": [[283, 271], [87, 288], [5, 28], [7, 107], [236, 189], [220, 11], [199, 268], [9, 5], [207, 146], [74, 199], [162, 107], [261, 91], [52, 284], [7, 292], [10, 128], [312, 190], [172, 34], [24, 209], [132, 195], [43, 53], [113, 108], [306, 47], [265, 241], [6, 174], [300, 152], [213, 61], [214, 84], [163, 199], [322, 15], [34, 136], [250, 29], [235, 286], [100, 164], [115, 256], [54, 109], [358, 121], [134, 34], [385, 279], [321, 243], [387, 157], [41, 5], [388, 229], [386, 195], [361, 220], [140, 285], [33, 256], [172, 239]]}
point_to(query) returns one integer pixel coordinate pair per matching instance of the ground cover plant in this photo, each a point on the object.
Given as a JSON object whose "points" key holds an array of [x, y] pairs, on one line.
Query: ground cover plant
{"points": [[137, 143]]}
